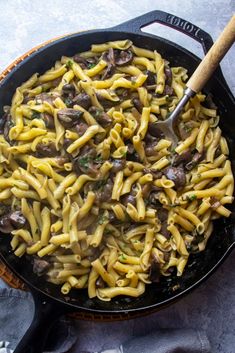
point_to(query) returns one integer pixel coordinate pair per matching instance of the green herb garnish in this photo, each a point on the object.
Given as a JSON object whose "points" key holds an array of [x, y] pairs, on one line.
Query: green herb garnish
{"points": [[84, 161], [122, 257], [68, 101], [100, 184], [102, 219], [187, 128], [91, 65], [35, 115], [69, 64], [192, 197], [98, 159], [98, 112]]}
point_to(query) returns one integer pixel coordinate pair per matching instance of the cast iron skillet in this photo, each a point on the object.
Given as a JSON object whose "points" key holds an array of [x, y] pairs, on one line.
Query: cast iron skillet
{"points": [[49, 303]]}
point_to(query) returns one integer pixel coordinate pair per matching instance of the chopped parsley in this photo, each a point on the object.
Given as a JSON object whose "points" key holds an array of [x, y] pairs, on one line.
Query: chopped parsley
{"points": [[91, 65], [100, 184], [35, 115], [69, 64], [102, 219], [98, 112], [84, 161], [68, 101], [107, 231], [122, 257], [192, 197], [98, 159], [45, 88], [187, 128]]}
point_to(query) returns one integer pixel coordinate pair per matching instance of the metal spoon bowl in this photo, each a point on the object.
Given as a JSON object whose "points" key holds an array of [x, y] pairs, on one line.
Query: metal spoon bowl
{"points": [[199, 78]]}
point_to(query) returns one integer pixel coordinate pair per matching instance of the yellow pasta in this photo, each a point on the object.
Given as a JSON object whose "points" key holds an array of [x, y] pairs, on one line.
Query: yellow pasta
{"points": [[88, 184]]}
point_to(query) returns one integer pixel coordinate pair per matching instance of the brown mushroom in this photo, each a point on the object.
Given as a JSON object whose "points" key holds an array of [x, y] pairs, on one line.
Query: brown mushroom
{"points": [[118, 164], [182, 158], [67, 143], [197, 158], [153, 198], [130, 148], [168, 91], [101, 117], [108, 72], [108, 56], [46, 97], [46, 150], [80, 60], [49, 120], [100, 283], [162, 214], [157, 174], [154, 274], [61, 160], [81, 128], [69, 117], [150, 149], [82, 99], [150, 139], [177, 175], [84, 162], [17, 219], [146, 189], [164, 231], [137, 104], [7, 122], [5, 224], [40, 266], [68, 89], [151, 79], [168, 75], [154, 130], [123, 57], [106, 103], [104, 191], [12, 220], [128, 198]]}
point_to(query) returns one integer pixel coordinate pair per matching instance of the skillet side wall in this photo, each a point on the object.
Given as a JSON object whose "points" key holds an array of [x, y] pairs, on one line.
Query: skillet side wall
{"points": [[221, 239]]}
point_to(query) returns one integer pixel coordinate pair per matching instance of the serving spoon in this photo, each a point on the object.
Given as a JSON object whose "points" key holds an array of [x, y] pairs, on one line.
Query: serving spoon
{"points": [[199, 78]]}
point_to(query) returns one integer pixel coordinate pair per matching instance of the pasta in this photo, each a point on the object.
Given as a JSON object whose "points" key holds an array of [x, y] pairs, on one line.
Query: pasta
{"points": [[89, 185]]}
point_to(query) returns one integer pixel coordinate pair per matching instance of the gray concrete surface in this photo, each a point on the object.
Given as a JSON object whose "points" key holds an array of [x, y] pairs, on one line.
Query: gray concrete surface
{"points": [[26, 23]]}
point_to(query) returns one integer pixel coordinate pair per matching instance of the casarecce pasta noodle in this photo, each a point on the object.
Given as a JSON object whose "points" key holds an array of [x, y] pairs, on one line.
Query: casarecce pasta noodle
{"points": [[91, 190]]}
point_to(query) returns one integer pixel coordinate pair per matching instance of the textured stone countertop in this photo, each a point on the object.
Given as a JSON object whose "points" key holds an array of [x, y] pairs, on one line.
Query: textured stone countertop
{"points": [[27, 23]]}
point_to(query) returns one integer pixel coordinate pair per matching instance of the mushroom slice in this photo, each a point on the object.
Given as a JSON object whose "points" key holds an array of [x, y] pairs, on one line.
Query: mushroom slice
{"points": [[123, 57], [69, 117]]}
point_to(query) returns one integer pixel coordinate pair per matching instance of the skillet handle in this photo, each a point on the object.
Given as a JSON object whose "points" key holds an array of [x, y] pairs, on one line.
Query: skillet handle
{"points": [[167, 19], [136, 24], [45, 314]]}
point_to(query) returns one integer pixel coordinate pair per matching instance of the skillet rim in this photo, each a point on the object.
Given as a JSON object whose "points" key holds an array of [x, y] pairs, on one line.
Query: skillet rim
{"points": [[36, 51]]}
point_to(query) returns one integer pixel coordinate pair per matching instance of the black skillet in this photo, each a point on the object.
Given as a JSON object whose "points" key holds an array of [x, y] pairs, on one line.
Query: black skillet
{"points": [[49, 302]]}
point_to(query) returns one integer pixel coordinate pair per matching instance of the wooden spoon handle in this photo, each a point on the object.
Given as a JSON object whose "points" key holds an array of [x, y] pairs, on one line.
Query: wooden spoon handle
{"points": [[213, 57]]}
